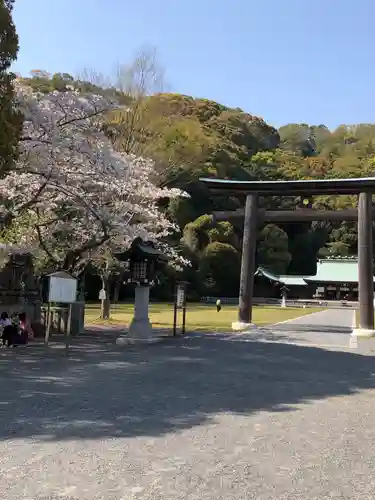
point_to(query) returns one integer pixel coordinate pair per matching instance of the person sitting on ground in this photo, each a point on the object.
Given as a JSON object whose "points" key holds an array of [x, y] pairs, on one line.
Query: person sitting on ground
{"points": [[26, 332], [4, 319], [9, 333]]}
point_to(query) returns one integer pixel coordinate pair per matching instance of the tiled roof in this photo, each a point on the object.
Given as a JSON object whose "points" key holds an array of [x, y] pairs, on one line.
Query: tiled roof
{"points": [[336, 271], [328, 271], [285, 280], [293, 280]]}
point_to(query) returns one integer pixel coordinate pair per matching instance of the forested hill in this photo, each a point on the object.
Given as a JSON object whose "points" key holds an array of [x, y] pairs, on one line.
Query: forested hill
{"points": [[189, 138]]}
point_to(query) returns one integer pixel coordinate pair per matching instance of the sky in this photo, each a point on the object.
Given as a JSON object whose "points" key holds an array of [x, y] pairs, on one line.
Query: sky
{"points": [[288, 61]]}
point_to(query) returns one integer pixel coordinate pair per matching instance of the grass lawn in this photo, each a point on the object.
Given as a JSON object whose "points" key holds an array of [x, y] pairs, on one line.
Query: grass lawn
{"points": [[199, 317]]}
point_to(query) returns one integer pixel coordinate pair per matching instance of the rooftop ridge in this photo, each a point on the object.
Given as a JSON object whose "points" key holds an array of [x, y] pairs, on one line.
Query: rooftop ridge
{"points": [[295, 275], [339, 259]]}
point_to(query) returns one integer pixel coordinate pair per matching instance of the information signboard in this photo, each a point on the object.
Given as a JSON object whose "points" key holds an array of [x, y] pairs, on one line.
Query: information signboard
{"points": [[180, 297], [62, 289]]}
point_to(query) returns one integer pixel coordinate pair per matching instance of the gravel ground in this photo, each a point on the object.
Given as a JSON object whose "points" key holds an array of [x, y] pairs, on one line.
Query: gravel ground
{"points": [[325, 328], [192, 418]]}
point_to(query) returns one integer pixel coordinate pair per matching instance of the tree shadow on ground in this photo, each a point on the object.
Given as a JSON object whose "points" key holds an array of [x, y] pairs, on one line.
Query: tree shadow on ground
{"points": [[100, 391]]}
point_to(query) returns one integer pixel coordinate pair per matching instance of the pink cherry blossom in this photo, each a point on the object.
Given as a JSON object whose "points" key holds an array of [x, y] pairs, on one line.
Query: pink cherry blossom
{"points": [[72, 195]]}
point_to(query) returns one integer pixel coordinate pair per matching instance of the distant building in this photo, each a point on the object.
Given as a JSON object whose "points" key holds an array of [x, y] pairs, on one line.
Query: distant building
{"points": [[268, 284], [335, 279]]}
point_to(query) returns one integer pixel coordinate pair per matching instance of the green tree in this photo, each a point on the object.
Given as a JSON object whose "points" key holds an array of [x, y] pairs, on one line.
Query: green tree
{"points": [[304, 245], [219, 269], [298, 138], [189, 138], [10, 119], [195, 235], [272, 251], [201, 232]]}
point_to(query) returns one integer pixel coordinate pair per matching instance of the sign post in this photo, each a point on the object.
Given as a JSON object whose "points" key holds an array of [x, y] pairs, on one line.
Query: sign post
{"points": [[103, 309], [180, 303], [62, 288]]}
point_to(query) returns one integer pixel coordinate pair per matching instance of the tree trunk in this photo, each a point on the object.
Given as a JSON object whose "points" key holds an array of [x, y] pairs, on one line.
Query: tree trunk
{"points": [[106, 303], [82, 287], [116, 289]]}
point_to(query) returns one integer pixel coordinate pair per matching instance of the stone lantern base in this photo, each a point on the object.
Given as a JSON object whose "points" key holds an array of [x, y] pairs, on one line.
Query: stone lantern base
{"points": [[140, 330]]}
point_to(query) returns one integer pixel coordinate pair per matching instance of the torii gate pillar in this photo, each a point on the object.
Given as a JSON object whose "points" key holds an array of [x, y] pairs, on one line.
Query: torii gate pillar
{"points": [[247, 264], [365, 267]]}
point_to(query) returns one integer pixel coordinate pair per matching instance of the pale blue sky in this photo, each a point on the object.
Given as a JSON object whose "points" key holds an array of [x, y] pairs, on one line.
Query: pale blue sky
{"points": [[285, 60]]}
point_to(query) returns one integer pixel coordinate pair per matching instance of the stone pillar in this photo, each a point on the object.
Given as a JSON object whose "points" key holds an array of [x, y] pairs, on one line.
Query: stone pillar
{"points": [[365, 267], [247, 264], [140, 329]]}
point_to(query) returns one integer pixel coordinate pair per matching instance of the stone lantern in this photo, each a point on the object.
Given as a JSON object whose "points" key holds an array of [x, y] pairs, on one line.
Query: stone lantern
{"points": [[19, 290], [284, 292], [144, 260]]}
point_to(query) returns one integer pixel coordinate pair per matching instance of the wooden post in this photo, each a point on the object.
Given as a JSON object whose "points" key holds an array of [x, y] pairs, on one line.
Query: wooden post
{"points": [[49, 323], [365, 262], [183, 329], [248, 259], [59, 320], [175, 317], [68, 330]]}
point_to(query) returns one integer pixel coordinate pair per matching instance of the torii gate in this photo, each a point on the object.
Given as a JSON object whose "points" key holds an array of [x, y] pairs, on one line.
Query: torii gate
{"points": [[363, 187]]}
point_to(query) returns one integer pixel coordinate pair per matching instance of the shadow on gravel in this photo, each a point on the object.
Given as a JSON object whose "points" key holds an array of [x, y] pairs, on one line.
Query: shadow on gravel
{"points": [[102, 392]]}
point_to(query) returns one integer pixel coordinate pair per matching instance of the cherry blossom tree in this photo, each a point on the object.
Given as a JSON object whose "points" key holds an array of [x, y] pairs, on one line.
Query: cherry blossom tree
{"points": [[72, 198]]}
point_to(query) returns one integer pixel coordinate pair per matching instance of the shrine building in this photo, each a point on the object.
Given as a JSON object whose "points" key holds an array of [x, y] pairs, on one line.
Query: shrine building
{"points": [[335, 279]]}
